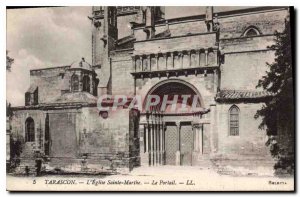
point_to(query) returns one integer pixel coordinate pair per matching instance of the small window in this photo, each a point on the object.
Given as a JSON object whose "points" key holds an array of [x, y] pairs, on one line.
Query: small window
{"points": [[29, 130], [234, 121], [251, 31], [27, 98], [75, 83], [32, 96], [86, 83]]}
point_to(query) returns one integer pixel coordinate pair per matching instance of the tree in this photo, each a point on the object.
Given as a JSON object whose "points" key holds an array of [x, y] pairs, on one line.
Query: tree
{"points": [[278, 113], [9, 61]]}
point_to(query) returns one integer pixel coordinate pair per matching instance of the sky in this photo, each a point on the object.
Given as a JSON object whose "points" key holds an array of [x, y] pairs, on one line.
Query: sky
{"points": [[48, 37], [44, 37]]}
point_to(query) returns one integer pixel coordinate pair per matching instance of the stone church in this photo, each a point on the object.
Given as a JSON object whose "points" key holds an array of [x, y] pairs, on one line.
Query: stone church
{"points": [[218, 55]]}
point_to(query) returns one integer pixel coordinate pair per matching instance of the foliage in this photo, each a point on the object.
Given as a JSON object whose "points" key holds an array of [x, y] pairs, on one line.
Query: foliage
{"points": [[9, 62], [279, 81], [278, 112]]}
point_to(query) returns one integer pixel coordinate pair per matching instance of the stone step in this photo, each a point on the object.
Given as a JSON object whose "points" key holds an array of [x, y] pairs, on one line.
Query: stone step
{"points": [[28, 160], [24, 169], [64, 161]]}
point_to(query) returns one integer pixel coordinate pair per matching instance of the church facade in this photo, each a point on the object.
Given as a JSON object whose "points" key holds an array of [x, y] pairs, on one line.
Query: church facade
{"points": [[216, 57]]}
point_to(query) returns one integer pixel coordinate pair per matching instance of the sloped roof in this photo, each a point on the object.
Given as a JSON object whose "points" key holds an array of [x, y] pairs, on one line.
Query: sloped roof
{"points": [[32, 88], [81, 65], [227, 95], [126, 42], [76, 97], [164, 34]]}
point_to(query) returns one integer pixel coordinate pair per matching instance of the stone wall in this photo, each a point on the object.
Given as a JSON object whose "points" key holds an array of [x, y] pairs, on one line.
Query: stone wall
{"points": [[124, 24], [98, 145], [231, 25], [134, 139], [198, 41], [103, 145], [241, 71], [122, 80], [250, 141], [49, 82], [28, 150], [18, 123], [206, 139], [246, 153]]}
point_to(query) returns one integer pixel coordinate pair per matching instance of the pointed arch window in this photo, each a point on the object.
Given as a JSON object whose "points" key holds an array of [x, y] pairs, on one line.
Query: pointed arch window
{"points": [[75, 83], [251, 31], [234, 120], [29, 130]]}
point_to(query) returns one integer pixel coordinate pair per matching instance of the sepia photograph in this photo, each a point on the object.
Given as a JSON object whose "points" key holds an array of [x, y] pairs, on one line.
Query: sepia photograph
{"points": [[150, 98]]}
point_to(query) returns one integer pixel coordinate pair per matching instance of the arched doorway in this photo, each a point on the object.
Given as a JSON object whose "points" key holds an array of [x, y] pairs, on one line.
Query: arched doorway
{"points": [[177, 92], [29, 130], [169, 137]]}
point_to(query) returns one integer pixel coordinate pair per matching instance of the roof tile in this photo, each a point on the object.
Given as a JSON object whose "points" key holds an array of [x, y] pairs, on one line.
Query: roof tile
{"points": [[242, 94]]}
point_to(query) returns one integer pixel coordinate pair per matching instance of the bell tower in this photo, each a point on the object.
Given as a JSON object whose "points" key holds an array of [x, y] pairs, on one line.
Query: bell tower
{"points": [[104, 37]]}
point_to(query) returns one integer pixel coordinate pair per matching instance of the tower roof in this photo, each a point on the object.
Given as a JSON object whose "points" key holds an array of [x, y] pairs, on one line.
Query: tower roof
{"points": [[81, 65]]}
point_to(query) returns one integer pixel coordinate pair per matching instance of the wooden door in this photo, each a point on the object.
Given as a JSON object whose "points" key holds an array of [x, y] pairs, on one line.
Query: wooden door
{"points": [[171, 144], [186, 145]]}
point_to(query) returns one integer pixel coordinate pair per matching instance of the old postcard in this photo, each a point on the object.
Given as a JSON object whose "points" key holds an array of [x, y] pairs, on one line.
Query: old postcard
{"points": [[131, 98]]}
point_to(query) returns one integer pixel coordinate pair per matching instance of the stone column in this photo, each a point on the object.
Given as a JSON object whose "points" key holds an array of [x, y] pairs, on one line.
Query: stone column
{"points": [[198, 57], [141, 64], [150, 132], [157, 139], [148, 63], [157, 58], [196, 138], [143, 145], [161, 138], [154, 142], [213, 133], [157, 144], [161, 143], [178, 154], [206, 57], [196, 145], [216, 57], [172, 60], [165, 128], [154, 139], [190, 58], [181, 59], [133, 63], [200, 138], [80, 84], [146, 143], [216, 81], [166, 60], [91, 84]]}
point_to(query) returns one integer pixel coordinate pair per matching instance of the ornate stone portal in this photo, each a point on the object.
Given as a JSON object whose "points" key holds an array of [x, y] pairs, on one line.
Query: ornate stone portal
{"points": [[172, 138]]}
